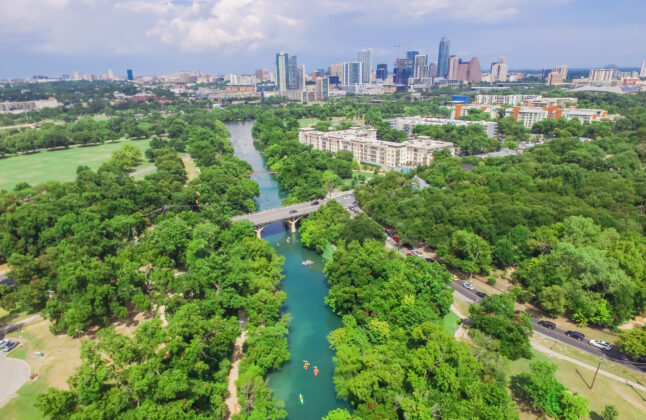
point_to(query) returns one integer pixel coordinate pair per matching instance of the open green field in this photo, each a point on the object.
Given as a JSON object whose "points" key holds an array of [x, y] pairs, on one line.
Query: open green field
{"points": [[305, 122], [630, 402], [59, 165], [450, 322]]}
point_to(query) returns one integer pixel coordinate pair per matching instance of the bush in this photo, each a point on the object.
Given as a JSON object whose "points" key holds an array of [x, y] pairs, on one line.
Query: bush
{"points": [[491, 281]]}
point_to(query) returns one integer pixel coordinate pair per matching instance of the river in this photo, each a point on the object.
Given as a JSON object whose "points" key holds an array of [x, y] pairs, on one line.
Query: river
{"points": [[306, 287]]}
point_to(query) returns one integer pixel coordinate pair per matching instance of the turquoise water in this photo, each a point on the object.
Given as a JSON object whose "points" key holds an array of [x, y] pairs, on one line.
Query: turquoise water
{"points": [[306, 287]]}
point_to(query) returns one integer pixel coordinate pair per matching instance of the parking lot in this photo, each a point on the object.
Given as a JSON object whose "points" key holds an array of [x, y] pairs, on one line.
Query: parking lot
{"points": [[13, 374]]}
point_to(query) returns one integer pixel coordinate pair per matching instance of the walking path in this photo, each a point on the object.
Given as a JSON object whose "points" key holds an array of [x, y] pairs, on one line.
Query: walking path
{"points": [[18, 325], [232, 400], [535, 344], [552, 353]]}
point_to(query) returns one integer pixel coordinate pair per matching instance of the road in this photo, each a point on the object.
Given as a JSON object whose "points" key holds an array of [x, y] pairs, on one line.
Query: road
{"points": [[295, 210], [615, 355]]}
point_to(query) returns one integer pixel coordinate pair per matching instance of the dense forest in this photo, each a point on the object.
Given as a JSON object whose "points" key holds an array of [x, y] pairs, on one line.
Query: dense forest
{"points": [[92, 251], [568, 214]]}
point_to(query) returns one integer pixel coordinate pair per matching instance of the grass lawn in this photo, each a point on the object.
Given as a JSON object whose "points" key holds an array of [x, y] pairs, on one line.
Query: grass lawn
{"points": [[450, 323], [358, 176], [630, 402], [305, 122], [192, 171], [59, 165], [61, 356]]}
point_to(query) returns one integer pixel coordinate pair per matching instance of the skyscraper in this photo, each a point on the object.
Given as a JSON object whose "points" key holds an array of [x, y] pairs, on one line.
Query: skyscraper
{"points": [[282, 71], [474, 73], [454, 62], [365, 58], [382, 71], [293, 73], [432, 69], [322, 86], [499, 70], [402, 71], [420, 68], [642, 73], [128, 72], [352, 72], [443, 58], [562, 69], [301, 76]]}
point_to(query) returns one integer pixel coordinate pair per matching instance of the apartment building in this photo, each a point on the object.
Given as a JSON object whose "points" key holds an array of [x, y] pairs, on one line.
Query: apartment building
{"points": [[527, 115], [409, 123], [365, 147]]}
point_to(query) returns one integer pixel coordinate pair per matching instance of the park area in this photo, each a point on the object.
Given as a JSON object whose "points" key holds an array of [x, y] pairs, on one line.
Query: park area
{"points": [[59, 165], [53, 358]]}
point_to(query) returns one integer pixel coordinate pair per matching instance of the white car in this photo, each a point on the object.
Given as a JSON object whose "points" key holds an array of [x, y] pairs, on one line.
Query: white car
{"points": [[416, 252], [468, 286], [600, 344]]}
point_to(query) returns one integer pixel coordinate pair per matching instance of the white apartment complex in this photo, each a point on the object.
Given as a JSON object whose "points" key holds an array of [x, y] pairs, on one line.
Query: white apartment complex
{"points": [[365, 147], [23, 106], [409, 123], [531, 115]]}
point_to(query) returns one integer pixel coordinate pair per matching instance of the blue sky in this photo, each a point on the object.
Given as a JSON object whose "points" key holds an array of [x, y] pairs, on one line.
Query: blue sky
{"points": [[53, 37]]}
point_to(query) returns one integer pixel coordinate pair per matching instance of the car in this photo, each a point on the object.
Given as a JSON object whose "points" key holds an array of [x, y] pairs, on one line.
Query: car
{"points": [[481, 294], [547, 324], [429, 259], [315, 203], [600, 344], [575, 334], [355, 203], [416, 252], [408, 254], [3, 342], [468, 286], [11, 346], [293, 211]]}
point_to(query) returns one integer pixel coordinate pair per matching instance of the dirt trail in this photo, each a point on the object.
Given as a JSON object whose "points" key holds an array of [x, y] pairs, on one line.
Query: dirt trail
{"points": [[232, 400]]}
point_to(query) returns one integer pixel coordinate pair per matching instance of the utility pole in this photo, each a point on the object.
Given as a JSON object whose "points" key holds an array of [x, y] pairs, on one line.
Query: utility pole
{"points": [[597, 371]]}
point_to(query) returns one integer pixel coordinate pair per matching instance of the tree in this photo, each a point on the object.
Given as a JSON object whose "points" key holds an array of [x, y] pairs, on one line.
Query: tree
{"points": [[469, 252], [361, 228], [633, 342], [496, 317], [546, 394], [610, 412]]}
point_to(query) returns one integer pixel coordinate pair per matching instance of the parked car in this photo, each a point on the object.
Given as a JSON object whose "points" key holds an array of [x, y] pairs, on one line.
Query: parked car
{"points": [[315, 203], [11, 346], [408, 254], [600, 344], [547, 324], [293, 211], [468, 286], [575, 334], [481, 294], [429, 259]]}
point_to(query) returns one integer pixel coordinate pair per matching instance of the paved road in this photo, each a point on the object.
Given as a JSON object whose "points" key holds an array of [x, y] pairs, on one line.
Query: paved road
{"points": [[283, 213], [557, 334], [14, 374], [18, 325]]}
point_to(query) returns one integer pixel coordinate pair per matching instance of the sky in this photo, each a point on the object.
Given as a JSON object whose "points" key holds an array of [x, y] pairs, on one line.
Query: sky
{"points": [[154, 37]]}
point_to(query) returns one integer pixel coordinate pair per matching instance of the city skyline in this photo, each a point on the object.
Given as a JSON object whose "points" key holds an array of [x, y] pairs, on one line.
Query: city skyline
{"points": [[159, 36]]}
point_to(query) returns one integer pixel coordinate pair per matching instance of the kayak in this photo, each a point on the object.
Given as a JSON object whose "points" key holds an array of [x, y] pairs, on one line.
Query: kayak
{"points": [[306, 365], [300, 397], [316, 371]]}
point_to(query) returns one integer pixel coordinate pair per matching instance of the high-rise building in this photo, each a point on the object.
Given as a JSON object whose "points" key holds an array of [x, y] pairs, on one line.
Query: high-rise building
{"points": [[301, 76], [601, 75], [432, 69], [474, 71], [336, 69], [402, 72], [443, 58], [293, 72], [128, 72], [454, 61], [352, 73], [382, 71], [420, 67], [365, 58], [499, 70], [282, 71], [322, 88], [562, 70], [110, 74], [555, 78], [642, 73], [260, 75]]}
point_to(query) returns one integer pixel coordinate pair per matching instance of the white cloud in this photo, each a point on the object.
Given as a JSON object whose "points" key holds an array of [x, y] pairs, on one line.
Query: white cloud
{"points": [[24, 16]]}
